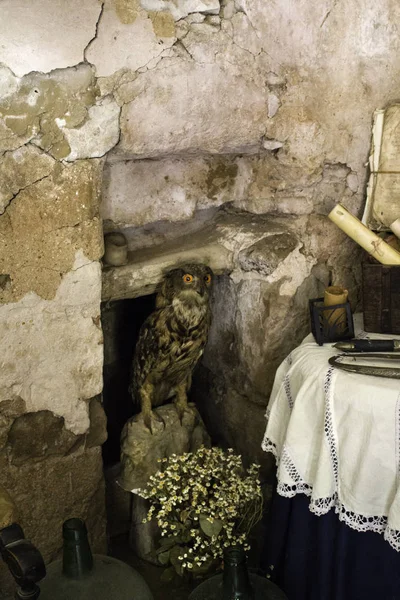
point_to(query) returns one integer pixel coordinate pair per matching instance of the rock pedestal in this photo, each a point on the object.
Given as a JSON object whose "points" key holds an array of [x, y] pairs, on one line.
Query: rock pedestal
{"points": [[141, 450], [140, 453]]}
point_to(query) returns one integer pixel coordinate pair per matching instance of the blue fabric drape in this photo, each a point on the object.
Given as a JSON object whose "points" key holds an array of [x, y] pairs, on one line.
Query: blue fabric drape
{"points": [[321, 558]]}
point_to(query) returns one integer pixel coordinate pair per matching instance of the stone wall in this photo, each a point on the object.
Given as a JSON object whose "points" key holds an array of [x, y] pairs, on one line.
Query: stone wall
{"points": [[52, 423], [198, 105]]}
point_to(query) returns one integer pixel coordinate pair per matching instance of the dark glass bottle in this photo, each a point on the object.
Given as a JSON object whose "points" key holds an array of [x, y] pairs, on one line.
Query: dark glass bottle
{"points": [[235, 581], [83, 576], [77, 555]]}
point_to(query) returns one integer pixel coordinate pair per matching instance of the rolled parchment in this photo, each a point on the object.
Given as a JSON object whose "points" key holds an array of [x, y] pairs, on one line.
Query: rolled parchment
{"points": [[395, 227], [335, 294], [367, 239]]}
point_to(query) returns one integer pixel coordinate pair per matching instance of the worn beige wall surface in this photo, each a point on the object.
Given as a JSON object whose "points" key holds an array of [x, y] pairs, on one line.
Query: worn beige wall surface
{"points": [[171, 189], [285, 91], [128, 38], [305, 75], [54, 129], [42, 35]]}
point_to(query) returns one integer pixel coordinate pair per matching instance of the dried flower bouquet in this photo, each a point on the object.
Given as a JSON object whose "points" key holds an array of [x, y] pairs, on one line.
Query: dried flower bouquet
{"points": [[203, 502]]}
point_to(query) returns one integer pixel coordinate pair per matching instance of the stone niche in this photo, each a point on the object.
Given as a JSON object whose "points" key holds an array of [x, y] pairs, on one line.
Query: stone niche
{"points": [[214, 130], [266, 266]]}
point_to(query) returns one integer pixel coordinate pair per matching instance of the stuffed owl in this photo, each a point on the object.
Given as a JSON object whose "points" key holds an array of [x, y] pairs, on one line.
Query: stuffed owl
{"points": [[171, 340]]}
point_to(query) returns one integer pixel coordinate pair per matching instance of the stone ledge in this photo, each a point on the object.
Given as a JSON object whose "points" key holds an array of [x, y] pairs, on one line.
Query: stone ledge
{"points": [[218, 243]]}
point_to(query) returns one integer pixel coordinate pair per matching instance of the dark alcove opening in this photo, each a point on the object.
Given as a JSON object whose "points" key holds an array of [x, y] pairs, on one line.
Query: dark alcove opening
{"points": [[121, 321]]}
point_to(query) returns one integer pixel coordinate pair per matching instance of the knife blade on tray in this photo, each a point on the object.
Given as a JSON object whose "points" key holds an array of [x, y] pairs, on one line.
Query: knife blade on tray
{"points": [[368, 346]]}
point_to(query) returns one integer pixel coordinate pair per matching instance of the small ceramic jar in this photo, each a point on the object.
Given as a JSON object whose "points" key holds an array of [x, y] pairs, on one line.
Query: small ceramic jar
{"points": [[116, 249]]}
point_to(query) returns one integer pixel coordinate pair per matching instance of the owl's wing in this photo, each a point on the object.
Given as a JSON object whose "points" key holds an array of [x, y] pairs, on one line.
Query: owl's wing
{"points": [[150, 351]]}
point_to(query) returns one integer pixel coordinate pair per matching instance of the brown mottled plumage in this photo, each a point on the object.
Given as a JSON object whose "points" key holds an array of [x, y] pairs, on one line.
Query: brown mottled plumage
{"points": [[172, 339]]}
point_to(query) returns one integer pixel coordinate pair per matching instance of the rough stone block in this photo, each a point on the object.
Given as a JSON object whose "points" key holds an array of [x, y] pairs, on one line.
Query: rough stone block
{"points": [[169, 189], [39, 435], [266, 255], [192, 107], [232, 419], [141, 450], [97, 433], [217, 242], [7, 509]]}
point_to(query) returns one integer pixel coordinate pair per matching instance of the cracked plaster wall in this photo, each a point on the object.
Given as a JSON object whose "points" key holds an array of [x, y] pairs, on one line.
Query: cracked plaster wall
{"points": [[54, 130], [197, 104]]}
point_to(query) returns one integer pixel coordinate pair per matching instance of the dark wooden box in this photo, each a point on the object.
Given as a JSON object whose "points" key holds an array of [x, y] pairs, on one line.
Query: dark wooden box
{"points": [[381, 298]]}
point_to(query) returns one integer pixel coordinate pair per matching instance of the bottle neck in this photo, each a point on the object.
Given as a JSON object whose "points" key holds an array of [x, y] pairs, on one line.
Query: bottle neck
{"points": [[236, 583], [77, 556]]}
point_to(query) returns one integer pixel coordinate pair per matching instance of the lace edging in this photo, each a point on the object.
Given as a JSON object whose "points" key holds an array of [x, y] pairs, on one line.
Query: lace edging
{"points": [[268, 446], [288, 391], [393, 537], [321, 506]]}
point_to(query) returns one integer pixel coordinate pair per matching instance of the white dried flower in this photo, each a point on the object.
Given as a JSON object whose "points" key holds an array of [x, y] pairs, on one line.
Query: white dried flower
{"points": [[210, 484]]}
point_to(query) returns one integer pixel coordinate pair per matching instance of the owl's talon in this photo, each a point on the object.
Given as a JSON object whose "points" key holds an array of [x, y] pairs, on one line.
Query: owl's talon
{"points": [[159, 419], [151, 422], [190, 408], [181, 411]]}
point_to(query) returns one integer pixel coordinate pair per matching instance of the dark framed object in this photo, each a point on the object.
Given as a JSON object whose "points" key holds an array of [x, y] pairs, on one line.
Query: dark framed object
{"points": [[330, 323]]}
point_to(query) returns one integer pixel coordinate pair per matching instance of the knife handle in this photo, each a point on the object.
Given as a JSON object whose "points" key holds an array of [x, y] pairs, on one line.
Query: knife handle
{"points": [[373, 345]]}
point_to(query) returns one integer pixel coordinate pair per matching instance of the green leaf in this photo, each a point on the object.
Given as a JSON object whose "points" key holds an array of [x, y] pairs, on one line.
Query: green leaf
{"points": [[179, 570], [184, 515], [168, 542], [173, 557], [208, 527], [163, 557], [168, 574]]}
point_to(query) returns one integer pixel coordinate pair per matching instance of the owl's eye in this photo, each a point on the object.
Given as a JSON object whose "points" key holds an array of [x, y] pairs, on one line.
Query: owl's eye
{"points": [[188, 278], [207, 278]]}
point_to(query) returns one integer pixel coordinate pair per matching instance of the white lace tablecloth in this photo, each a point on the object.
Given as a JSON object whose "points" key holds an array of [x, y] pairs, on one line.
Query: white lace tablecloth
{"points": [[336, 438]]}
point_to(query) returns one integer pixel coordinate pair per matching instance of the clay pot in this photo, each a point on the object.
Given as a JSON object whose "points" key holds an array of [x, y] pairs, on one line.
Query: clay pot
{"points": [[116, 249]]}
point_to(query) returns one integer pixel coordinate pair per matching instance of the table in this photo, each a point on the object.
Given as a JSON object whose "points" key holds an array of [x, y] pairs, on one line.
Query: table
{"points": [[336, 439]]}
